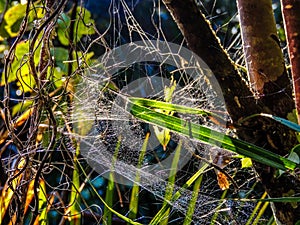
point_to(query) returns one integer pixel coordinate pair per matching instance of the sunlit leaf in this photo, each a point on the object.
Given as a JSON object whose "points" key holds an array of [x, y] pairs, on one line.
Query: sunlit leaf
{"points": [[163, 135], [85, 20], [86, 58], [166, 106], [55, 75], [21, 107], [63, 26], [8, 190], [246, 162], [169, 90], [20, 67], [212, 137], [13, 18], [42, 204], [295, 154], [160, 215], [3, 47], [61, 55]]}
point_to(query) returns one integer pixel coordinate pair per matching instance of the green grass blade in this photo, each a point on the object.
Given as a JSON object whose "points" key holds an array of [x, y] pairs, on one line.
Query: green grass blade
{"points": [[126, 219], [271, 221], [215, 216], [109, 195], [192, 203], [75, 214], [160, 215], [210, 136], [254, 212], [134, 198], [171, 183], [166, 106], [43, 204], [260, 213]]}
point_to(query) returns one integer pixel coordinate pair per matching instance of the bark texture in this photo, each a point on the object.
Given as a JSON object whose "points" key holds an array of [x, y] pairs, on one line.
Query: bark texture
{"points": [[263, 55], [276, 100], [291, 14]]}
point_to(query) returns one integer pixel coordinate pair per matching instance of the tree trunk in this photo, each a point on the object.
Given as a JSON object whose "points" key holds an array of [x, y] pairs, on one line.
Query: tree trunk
{"points": [[276, 100], [263, 55], [291, 10]]}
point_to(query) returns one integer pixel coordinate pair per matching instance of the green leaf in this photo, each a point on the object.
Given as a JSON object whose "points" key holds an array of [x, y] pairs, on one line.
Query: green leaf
{"points": [[246, 162], [3, 32], [85, 20], [173, 107], [292, 116], [210, 136], [171, 183], [109, 195], [20, 67], [2, 5], [43, 203], [168, 91], [295, 154], [126, 219], [75, 199], [63, 26], [21, 107], [55, 75], [60, 55], [86, 58], [160, 215], [162, 135], [217, 210], [192, 204], [13, 18], [81, 26], [134, 198]]}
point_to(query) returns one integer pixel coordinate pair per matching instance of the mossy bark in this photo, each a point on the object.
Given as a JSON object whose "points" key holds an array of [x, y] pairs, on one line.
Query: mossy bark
{"points": [[263, 55], [276, 99]]}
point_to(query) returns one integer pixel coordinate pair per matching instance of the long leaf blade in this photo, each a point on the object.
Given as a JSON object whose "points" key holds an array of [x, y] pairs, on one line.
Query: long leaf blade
{"points": [[210, 136]]}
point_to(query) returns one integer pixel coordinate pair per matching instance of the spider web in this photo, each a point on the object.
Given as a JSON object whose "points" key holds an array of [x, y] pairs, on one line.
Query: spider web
{"points": [[103, 122]]}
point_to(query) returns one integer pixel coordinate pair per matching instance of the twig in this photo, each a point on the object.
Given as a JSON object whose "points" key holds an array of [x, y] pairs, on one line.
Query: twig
{"points": [[7, 61]]}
